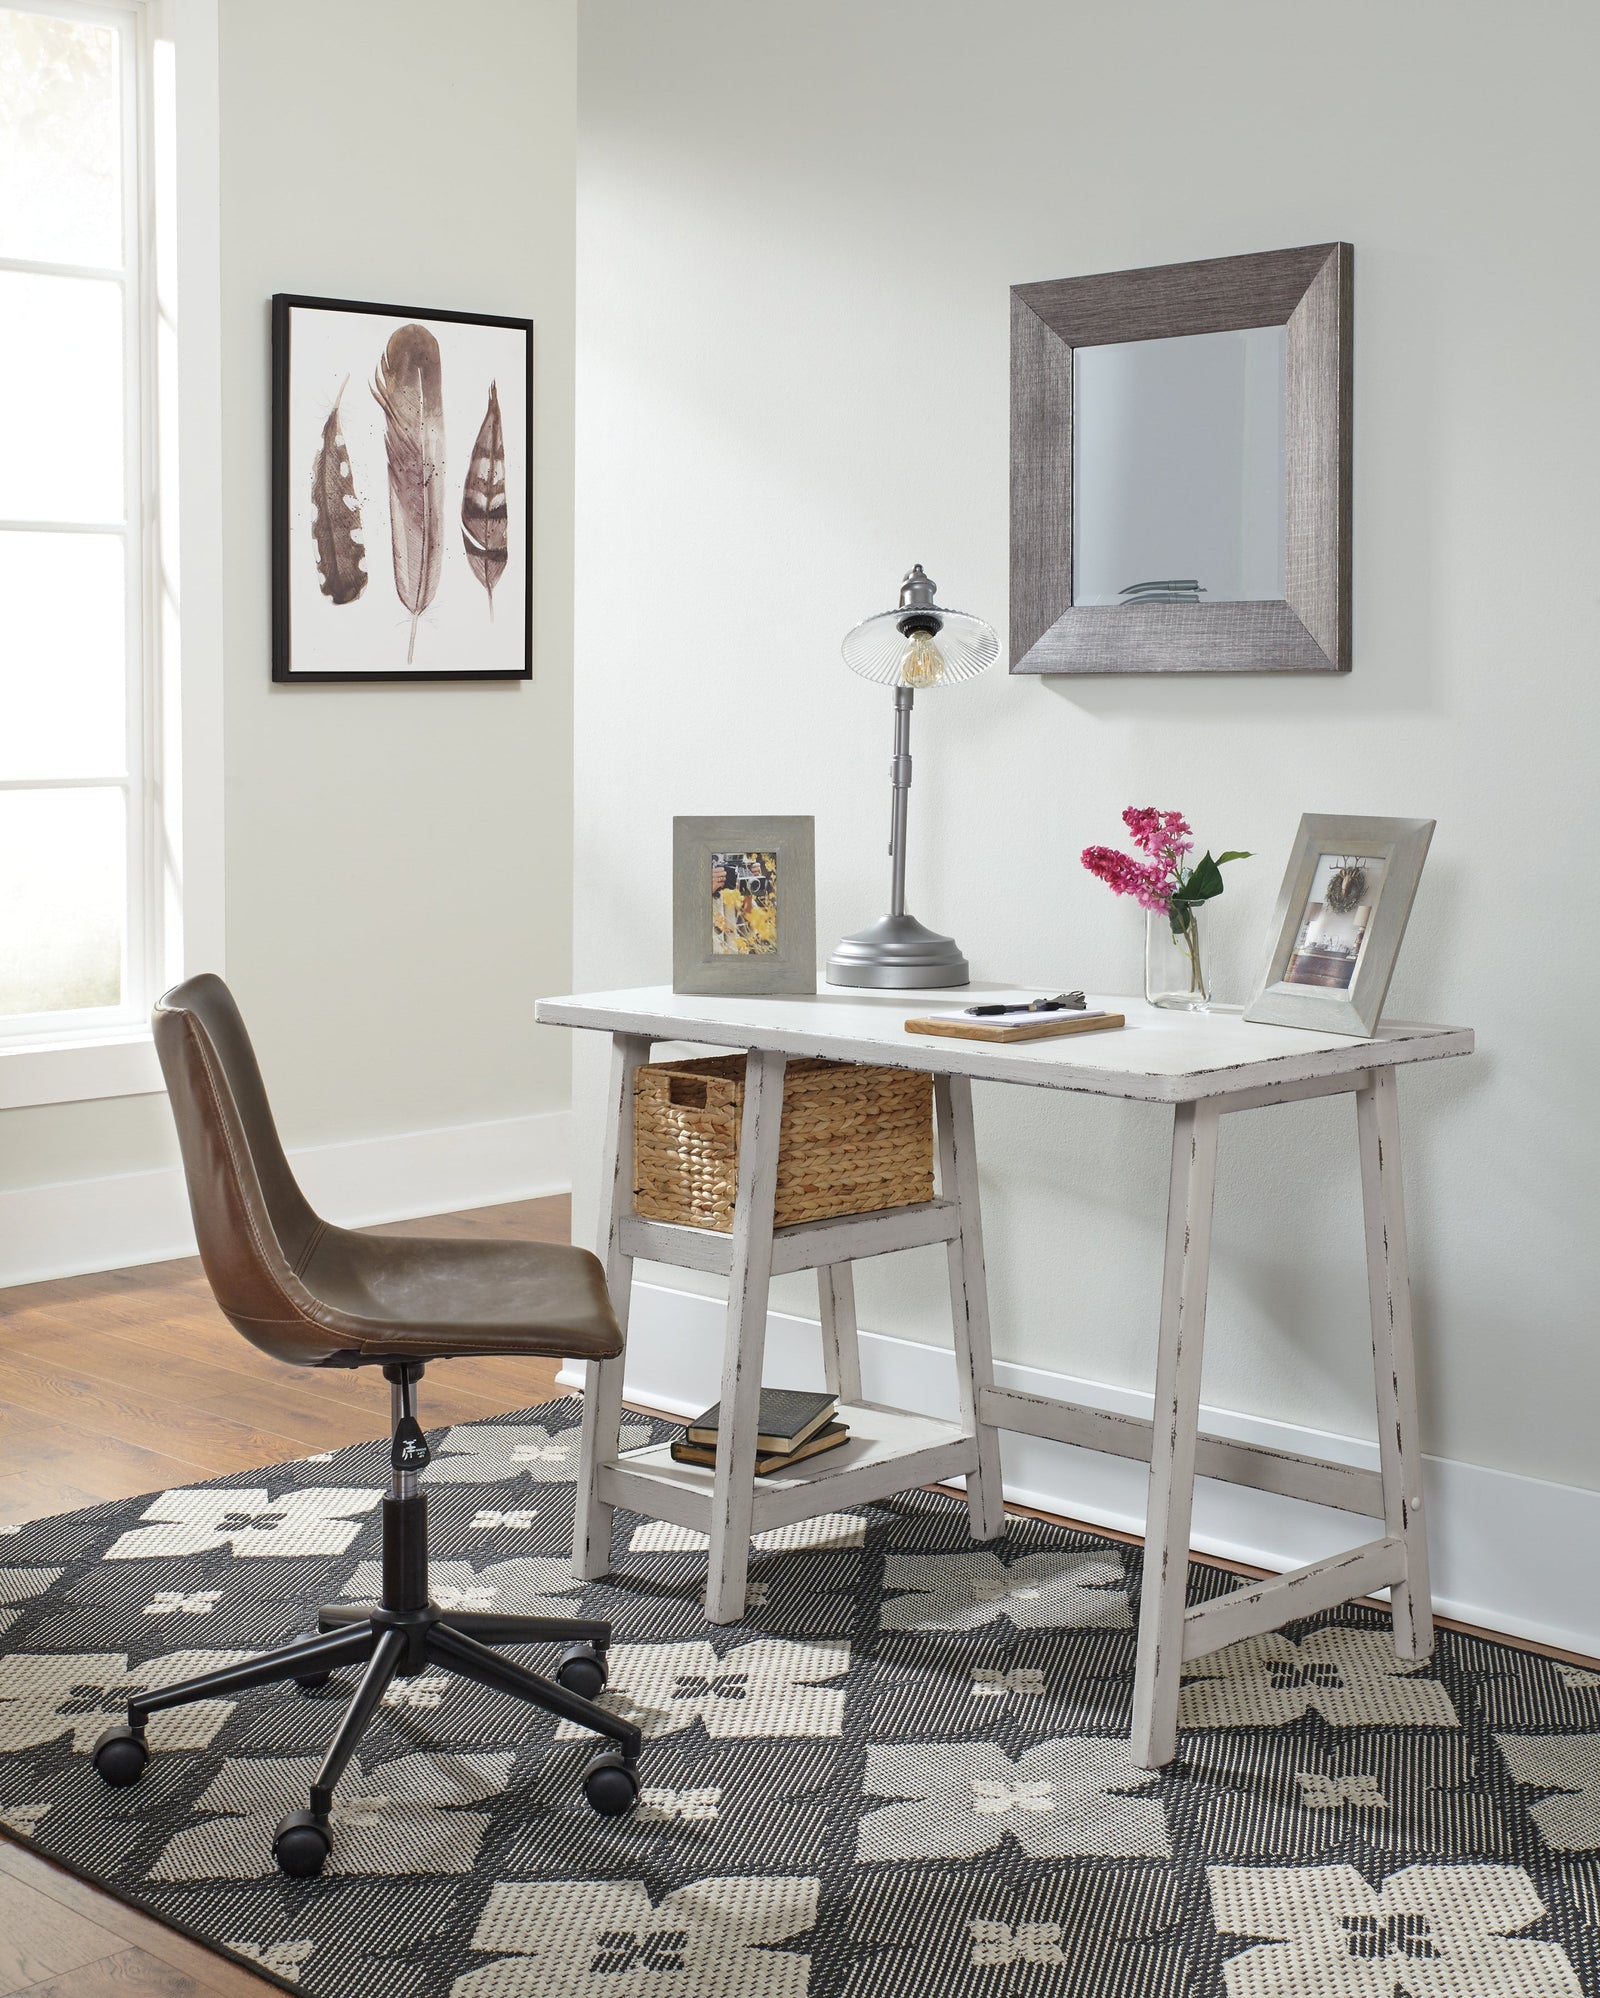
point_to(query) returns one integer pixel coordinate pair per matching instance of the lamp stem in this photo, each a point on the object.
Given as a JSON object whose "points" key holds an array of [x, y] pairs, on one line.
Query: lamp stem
{"points": [[900, 776]]}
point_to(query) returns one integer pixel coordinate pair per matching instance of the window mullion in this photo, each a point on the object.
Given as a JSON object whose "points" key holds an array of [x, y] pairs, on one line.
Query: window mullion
{"points": [[143, 953], [65, 784], [33, 267], [63, 527]]}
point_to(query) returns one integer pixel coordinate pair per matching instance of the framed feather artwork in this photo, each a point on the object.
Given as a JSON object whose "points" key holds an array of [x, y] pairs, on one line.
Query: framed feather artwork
{"points": [[402, 493]]}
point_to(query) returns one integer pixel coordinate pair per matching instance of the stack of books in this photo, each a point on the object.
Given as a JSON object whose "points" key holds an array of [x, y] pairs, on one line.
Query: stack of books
{"points": [[794, 1425]]}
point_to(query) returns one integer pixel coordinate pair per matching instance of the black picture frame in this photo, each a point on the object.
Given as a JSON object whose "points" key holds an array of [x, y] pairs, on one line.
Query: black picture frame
{"points": [[285, 470]]}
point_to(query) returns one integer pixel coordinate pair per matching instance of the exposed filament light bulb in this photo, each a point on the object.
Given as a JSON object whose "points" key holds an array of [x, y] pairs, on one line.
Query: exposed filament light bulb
{"points": [[922, 663]]}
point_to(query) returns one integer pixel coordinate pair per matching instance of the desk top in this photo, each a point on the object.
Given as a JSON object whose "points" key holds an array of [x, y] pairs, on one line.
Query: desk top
{"points": [[1159, 1057]]}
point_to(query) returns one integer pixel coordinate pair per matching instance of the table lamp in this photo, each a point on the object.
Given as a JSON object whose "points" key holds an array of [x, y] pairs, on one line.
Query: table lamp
{"points": [[917, 644]]}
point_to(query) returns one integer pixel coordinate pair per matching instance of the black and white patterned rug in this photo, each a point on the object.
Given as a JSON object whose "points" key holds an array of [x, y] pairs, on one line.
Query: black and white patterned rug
{"points": [[905, 1775]]}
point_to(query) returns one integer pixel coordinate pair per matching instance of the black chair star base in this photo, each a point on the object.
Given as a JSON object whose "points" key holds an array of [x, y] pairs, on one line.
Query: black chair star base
{"points": [[398, 1637]]}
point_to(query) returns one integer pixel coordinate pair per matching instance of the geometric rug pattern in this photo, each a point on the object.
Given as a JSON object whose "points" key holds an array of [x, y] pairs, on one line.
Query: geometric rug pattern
{"points": [[904, 1773]]}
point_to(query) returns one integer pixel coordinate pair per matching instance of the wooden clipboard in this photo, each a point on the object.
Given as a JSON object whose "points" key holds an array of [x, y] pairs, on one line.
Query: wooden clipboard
{"points": [[1047, 1027]]}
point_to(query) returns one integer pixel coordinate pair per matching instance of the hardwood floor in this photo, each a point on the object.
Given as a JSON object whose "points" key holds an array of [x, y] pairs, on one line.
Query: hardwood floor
{"points": [[133, 1381]]}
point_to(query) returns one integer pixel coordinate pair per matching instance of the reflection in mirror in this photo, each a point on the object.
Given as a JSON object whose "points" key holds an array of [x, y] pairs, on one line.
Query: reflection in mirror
{"points": [[1179, 469]]}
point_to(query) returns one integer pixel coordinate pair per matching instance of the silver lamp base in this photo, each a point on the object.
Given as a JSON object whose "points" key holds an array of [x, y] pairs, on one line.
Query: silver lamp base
{"points": [[898, 953]]}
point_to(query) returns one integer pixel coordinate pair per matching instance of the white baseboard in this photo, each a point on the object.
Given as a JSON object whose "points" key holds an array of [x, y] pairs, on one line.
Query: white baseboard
{"points": [[1511, 1553], [76, 1226]]}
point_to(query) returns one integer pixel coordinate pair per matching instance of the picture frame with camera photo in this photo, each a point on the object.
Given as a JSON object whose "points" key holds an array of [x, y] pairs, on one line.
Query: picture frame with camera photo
{"points": [[744, 917]]}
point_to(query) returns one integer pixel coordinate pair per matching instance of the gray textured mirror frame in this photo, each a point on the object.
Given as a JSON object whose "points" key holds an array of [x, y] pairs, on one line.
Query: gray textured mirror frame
{"points": [[1307, 630]]}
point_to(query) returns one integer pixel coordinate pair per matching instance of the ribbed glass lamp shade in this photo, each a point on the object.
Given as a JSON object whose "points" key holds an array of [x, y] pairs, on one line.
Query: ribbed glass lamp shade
{"points": [[877, 647]]}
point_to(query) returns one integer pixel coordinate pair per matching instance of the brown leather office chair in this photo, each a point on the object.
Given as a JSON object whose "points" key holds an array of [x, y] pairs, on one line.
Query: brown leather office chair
{"points": [[319, 1296]]}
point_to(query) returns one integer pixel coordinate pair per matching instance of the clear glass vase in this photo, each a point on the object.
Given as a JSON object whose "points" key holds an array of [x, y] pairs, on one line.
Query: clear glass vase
{"points": [[1175, 973]]}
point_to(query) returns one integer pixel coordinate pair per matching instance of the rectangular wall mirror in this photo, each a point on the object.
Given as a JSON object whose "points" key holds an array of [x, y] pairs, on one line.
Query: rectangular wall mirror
{"points": [[1180, 468]]}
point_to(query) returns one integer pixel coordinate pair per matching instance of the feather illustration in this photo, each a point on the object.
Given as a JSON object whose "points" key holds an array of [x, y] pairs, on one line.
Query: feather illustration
{"points": [[336, 515], [483, 500], [407, 388]]}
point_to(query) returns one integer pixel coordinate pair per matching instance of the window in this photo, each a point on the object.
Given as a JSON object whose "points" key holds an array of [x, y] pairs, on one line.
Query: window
{"points": [[87, 520]]}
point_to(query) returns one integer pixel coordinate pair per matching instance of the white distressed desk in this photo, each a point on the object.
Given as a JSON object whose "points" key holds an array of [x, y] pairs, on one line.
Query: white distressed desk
{"points": [[1202, 1067]]}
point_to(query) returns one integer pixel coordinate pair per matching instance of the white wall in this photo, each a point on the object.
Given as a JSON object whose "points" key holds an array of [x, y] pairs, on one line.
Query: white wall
{"points": [[398, 857], [796, 232]]}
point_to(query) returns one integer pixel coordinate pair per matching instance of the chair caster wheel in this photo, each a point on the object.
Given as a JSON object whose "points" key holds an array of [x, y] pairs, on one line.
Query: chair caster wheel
{"points": [[301, 1845], [610, 1784], [313, 1682], [120, 1757], [582, 1670]]}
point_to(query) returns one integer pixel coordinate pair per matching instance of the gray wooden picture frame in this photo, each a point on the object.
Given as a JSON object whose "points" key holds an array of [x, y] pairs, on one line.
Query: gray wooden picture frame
{"points": [[792, 967], [1403, 845], [1310, 291]]}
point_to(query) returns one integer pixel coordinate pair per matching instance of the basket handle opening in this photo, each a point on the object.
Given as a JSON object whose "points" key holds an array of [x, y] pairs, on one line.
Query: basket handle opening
{"points": [[687, 1092]]}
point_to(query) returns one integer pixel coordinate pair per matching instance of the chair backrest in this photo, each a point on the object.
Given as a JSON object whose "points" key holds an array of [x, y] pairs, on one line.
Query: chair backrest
{"points": [[253, 1223]]}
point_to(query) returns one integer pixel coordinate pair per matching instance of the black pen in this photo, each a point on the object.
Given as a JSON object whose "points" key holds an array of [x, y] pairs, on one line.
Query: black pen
{"points": [[1063, 1002]]}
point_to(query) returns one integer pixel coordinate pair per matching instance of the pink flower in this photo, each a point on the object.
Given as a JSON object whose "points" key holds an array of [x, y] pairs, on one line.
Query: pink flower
{"points": [[1163, 835], [1150, 884], [1164, 880]]}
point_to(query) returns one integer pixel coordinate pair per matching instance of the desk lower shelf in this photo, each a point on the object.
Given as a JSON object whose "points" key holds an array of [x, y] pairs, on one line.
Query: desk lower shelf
{"points": [[805, 1245], [889, 1451]]}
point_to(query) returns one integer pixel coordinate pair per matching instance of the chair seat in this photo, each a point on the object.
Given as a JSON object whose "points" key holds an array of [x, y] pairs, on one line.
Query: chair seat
{"points": [[314, 1295], [416, 1297]]}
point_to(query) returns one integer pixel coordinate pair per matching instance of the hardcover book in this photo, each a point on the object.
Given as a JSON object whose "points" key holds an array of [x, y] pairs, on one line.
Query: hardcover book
{"points": [[788, 1416], [828, 1438]]}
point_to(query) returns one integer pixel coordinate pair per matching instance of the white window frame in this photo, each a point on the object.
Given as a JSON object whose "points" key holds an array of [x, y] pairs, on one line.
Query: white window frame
{"points": [[174, 757]]}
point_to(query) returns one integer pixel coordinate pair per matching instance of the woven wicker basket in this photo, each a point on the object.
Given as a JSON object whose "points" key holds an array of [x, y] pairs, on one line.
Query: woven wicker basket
{"points": [[853, 1140]]}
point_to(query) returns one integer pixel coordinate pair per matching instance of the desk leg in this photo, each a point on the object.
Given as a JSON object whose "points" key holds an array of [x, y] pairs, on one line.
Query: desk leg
{"points": [[841, 1346], [602, 1379], [969, 1299], [744, 1343], [1394, 1366], [1159, 1670]]}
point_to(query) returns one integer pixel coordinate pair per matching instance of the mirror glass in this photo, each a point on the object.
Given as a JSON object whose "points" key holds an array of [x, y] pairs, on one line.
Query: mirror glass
{"points": [[1178, 468]]}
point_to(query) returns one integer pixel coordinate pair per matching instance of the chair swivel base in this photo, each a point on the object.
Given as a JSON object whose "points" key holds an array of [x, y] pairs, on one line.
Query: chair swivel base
{"points": [[397, 1638]]}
